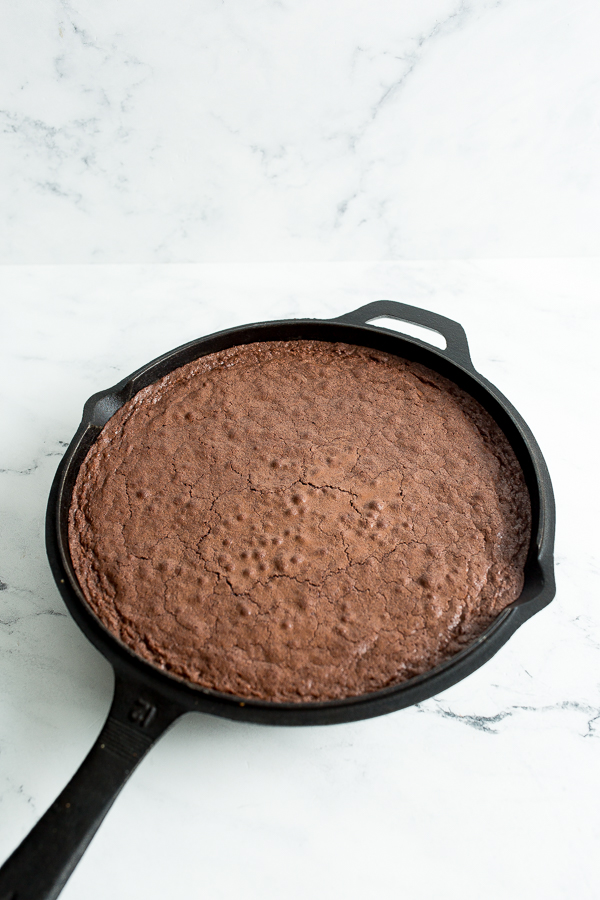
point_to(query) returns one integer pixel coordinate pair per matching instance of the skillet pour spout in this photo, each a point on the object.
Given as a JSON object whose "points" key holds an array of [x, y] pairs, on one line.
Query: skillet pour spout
{"points": [[147, 700]]}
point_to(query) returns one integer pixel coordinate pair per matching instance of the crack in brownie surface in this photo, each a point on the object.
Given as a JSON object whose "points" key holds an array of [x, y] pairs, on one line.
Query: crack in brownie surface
{"points": [[299, 521]]}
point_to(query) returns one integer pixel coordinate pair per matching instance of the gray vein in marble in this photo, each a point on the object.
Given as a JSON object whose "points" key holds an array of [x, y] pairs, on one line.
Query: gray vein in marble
{"points": [[32, 598], [20, 618], [487, 723], [19, 791], [446, 26], [480, 723], [452, 22], [36, 462], [78, 138], [41, 134]]}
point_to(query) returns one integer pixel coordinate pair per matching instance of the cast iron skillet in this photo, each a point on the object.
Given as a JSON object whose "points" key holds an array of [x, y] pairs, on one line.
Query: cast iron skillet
{"points": [[146, 700]]}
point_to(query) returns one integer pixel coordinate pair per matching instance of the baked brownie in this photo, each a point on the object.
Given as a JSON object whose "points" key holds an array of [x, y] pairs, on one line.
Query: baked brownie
{"points": [[299, 521]]}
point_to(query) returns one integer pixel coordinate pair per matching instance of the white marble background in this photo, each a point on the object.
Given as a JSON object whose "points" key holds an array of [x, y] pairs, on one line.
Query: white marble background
{"points": [[489, 790], [203, 130]]}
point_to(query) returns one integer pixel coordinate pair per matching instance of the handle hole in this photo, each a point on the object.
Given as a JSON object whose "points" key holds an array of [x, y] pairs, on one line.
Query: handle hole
{"points": [[419, 331]]}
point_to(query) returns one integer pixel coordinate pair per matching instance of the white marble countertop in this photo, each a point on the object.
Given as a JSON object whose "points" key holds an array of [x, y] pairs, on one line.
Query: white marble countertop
{"points": [[490, 789]]}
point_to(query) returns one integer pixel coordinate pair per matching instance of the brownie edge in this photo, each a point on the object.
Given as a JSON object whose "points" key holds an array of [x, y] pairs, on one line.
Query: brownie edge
{"points": [[299, 521]]}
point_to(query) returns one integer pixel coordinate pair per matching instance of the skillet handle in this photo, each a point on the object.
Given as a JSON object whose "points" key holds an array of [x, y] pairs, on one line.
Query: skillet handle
{"points": [[457, 346], [41, 865]]}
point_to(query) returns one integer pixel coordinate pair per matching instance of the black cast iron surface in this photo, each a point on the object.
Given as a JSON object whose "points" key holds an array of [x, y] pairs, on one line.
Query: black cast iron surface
{"points": [[147, 700]]}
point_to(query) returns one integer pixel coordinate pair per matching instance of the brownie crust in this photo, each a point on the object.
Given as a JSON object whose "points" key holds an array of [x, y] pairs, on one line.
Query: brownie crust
{"points": [[299, 521]]}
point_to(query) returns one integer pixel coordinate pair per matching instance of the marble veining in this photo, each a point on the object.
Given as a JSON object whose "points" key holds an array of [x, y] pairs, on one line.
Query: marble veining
{"points": [[489, 723], [284, 131]]}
